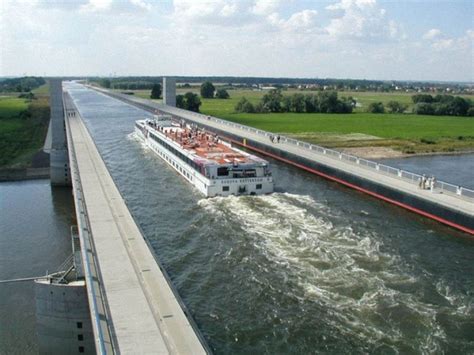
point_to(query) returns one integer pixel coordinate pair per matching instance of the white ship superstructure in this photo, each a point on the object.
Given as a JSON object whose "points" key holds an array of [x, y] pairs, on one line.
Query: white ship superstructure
{"points": [[213, 166]]}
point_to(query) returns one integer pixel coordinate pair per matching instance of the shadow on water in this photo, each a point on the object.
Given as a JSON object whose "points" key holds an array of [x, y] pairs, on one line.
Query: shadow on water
{"points": [[34, 237]]}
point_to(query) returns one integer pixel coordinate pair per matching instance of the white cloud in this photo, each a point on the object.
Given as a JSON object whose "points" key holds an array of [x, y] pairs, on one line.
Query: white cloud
{"points": [[97, 5], [361, 19], [142, 4], [302, 20], [432, 34], [265, 7]]}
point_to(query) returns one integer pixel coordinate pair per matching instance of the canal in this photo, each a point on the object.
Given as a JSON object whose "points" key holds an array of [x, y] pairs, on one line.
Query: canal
{"points": [[312, 268]]}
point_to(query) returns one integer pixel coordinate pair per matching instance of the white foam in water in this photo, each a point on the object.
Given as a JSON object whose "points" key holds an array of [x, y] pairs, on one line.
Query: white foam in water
{"points": [[134, 137], [342, 270]]}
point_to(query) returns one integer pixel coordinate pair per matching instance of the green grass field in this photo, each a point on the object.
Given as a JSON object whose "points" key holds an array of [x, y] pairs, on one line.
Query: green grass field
{"points": [[408, 133], [11, 106], [21, 135], [42, 90]]}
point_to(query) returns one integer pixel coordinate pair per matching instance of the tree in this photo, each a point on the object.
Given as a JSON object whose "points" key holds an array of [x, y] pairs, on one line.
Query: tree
{"points": [[422, 98], [297, 103], [156, 91], [376, 107], [222, 94], [311, 103], [328, 101], [272, 101], [105, 83], [192, 101], [189, 101], [423, 108], [207, 90], [180, 101], [396, 107], [244, 106], [286, 104]]}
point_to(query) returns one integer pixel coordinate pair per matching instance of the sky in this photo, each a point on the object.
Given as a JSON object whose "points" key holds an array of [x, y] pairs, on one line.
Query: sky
{"points": [[358, 39]]}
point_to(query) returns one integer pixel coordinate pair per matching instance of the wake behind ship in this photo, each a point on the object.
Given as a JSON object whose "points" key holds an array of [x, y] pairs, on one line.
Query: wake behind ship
{"points": [[213, 166]]}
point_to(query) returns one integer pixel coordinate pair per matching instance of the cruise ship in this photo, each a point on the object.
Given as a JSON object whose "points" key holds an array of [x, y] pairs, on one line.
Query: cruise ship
{"points": [[212, 165]]}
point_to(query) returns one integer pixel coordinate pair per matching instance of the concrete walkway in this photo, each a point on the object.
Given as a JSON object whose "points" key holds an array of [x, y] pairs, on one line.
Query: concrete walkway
{"points": [[145, 314]]}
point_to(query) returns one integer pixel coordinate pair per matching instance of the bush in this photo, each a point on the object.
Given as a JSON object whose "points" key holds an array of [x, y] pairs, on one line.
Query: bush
{"points": [[244, 106], [207, 90], [155, 91], [423, 109], [189, 101], [376, 107], [222, 94], [396, 107]]}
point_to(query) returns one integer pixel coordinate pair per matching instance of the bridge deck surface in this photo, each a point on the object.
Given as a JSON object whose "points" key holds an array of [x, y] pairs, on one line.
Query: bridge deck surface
{"points": [[146, 316]]}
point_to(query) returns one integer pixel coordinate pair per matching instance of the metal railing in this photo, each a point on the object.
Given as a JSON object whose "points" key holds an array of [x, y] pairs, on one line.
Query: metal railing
{"points": [[407, 176], [98, 309], [412, 178]]}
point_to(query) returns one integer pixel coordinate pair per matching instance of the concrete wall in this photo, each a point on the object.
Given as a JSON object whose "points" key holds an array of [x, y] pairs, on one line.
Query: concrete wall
{"points": [[169, 91], [62, 318], [59, 160]]}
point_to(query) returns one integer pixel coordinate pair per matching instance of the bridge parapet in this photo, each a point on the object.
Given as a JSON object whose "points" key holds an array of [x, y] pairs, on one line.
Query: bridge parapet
{"points": [[127, 288]]}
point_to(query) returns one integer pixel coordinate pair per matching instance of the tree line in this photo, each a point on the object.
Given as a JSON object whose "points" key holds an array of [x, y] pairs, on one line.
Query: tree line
{"points": [[24, 84], [425, 104], [275, 101]]}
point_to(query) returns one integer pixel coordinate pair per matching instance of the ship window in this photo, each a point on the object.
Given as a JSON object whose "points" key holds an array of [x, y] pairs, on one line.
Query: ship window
{"points": [[79, 325], [225, 188], [223, 171], [80, 337], [81, 349], [258, 187], [250, 173]]}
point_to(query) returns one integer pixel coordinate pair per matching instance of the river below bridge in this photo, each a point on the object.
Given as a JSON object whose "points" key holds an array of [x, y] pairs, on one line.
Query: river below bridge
{"points": [[312, 268]]}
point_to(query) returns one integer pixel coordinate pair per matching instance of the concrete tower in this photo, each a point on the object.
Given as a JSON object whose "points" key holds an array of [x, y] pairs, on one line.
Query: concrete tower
{"points": [[59, 160], [169, 91]]}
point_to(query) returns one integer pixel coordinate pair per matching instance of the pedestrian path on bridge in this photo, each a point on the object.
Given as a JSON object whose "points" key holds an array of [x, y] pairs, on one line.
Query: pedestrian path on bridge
{"points": [[448, 196]]}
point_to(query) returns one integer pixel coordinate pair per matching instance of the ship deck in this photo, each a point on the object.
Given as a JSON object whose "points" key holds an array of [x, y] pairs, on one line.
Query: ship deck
{"points": [[206, 145]]}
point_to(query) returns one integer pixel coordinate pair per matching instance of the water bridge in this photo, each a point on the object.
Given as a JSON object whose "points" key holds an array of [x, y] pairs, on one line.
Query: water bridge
{"points": [[443, 202], [133, 306]]}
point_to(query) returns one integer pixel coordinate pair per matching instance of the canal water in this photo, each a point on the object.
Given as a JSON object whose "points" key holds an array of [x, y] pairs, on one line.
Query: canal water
{"points": [[35, 220], [312, 268], [455, 169]]}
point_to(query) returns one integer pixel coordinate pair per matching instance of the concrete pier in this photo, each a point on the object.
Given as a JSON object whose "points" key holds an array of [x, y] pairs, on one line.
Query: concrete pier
{"points": [[169, 91], [59, 160], [448, 204], [143, 311]]}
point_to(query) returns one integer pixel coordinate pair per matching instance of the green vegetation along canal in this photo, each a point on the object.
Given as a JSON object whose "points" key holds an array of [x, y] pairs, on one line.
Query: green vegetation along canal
{"points": [[312, 268]]}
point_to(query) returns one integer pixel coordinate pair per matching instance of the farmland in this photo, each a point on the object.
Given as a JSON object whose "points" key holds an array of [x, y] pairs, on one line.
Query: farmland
{"points": [[402, 133]]}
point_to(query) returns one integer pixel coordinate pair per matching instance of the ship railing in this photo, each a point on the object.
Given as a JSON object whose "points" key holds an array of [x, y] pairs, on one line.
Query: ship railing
{"points": [[407, 176]]}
